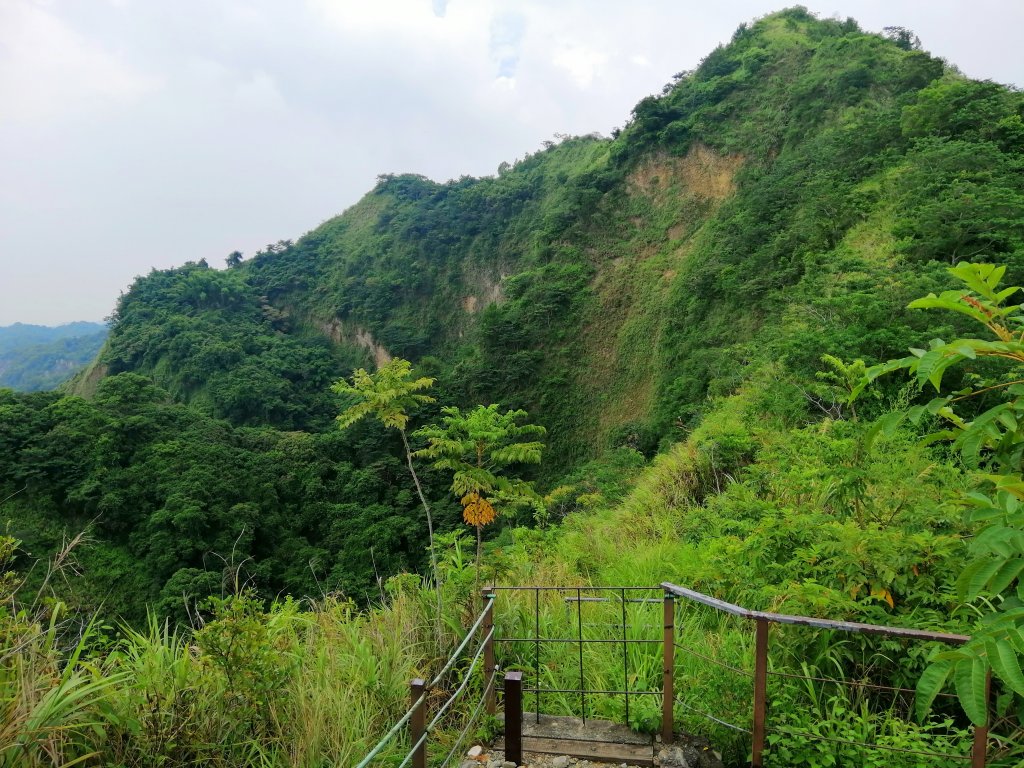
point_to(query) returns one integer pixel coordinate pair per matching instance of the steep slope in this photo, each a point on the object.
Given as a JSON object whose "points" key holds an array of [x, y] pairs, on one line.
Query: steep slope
{"points": [[776, 203]]}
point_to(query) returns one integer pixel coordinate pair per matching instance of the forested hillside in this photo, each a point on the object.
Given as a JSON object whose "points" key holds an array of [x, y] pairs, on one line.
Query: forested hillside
{"points": [[696, 310], [784, 201], [36, 357]]}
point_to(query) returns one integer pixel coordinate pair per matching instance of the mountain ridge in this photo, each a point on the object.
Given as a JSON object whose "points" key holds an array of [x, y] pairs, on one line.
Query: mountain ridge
{"points": [[36, 357]]}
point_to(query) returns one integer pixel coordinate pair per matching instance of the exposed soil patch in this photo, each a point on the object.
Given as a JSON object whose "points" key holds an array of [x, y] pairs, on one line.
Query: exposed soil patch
{"points": [[702, 173]]}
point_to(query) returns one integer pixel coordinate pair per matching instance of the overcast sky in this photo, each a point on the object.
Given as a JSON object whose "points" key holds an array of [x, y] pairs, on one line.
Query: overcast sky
{"points": [[146, 133]]}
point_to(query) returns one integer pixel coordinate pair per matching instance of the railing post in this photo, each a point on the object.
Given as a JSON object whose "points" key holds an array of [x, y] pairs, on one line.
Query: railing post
{"points": [[488, 630], [760, 691], [979, 750], [668, 696], [418, 723], [514, 717]]}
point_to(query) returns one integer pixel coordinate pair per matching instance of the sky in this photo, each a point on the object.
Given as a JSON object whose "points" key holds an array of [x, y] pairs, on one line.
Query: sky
{"points": [[141, 134]]}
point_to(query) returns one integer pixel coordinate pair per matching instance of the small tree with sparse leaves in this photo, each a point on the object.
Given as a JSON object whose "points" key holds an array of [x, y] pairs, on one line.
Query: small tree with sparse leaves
{"points": [[388, 395]]}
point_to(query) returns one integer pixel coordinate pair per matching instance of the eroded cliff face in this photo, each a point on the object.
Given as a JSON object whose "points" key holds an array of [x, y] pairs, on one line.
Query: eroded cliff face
{"points": [[337, 332]]}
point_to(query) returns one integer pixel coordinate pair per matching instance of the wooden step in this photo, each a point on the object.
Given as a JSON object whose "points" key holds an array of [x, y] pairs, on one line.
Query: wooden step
{"points": [[595, 751], [595, 740]]}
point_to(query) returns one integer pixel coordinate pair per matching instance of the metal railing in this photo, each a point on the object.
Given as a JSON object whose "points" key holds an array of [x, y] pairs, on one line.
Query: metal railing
{"points": [[762, 621], [415, 718], [575, 595], [671, 597]]}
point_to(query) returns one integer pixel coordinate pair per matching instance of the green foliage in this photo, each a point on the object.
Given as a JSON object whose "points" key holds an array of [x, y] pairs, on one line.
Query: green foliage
{"points": [[990, 441], [479, 447], [387, 395], [183, 504]]}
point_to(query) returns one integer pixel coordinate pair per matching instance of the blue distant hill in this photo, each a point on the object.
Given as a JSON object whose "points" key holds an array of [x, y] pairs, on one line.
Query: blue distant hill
{"points": [[38, 357]]}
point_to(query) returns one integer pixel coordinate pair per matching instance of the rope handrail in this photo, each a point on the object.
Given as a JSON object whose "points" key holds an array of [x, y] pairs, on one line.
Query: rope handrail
{"points": [[444, 707], [394, 730], [404, 720], [462, 686], [465, 641], [472, 718]]}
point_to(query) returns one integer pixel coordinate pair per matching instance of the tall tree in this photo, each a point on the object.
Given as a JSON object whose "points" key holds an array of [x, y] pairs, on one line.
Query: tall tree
{"points": [[480, 447], [388, 395]]}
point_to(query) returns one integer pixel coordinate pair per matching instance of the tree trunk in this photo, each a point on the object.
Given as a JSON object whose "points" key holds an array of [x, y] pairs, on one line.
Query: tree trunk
{"points": [[430, 533], [479, 549]]}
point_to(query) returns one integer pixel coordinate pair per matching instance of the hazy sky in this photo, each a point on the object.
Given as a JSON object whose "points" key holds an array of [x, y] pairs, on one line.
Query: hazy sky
{"points": [[145, 133]]}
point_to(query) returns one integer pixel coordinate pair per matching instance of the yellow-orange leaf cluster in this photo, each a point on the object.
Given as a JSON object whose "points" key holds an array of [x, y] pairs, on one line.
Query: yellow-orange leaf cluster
{"points": [[476, 510]]}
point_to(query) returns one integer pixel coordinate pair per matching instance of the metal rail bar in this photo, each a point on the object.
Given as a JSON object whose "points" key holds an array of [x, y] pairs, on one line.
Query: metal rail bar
{"points": [[807, 621], [536, 634], [722, 664], [611, 600], [577, 690], [625, 655], [714, 719], [572, 640], [579, 630]]}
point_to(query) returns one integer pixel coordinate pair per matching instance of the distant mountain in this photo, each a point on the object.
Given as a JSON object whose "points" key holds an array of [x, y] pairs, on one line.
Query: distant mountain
{"points": [[38, 357]]}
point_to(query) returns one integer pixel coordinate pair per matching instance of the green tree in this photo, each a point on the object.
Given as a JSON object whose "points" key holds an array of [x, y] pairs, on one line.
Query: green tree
{"points": [[479, 447], [388, 395]]}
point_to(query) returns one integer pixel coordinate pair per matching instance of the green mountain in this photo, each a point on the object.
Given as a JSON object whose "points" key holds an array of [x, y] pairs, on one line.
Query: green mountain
{"points": [[693, 308], [785, 200], [36, 357]]}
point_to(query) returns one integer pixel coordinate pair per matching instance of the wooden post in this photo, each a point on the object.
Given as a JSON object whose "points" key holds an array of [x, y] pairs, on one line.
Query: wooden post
{"points": [[979, 750], [514, 717], [760, 691], [418, 722], [668, 696], [488, 630]]}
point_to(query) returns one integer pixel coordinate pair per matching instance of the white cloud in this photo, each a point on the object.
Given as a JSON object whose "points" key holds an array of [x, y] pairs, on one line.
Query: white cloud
{"points": [[138, 133], [582, 64], [47, 69]]}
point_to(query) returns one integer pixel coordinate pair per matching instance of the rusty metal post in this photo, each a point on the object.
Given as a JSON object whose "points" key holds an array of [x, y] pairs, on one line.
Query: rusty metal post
{"points": [[418, 723], [979, 750], [668, 695], [760, 692], [489, 666], [514, 717]]}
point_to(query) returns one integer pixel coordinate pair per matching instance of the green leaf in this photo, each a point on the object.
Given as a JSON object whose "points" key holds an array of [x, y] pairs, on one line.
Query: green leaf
{"points": [[1008, 571], [1006, 664], [969, 679], [929, 686], [976, 575], [970, 444]]}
